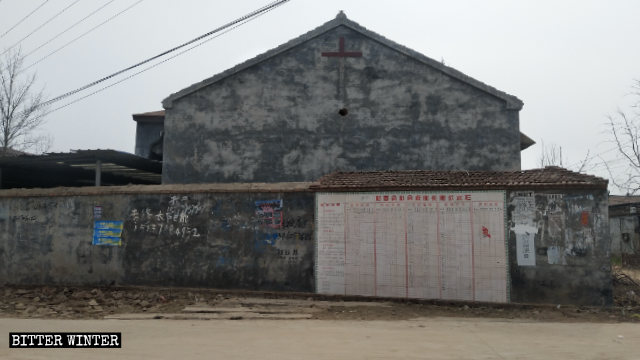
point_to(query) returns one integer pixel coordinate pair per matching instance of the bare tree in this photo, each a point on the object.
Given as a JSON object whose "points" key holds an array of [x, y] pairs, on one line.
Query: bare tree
{"points": [[21, 107], [552, 156], [625, 131], [585, 164]]}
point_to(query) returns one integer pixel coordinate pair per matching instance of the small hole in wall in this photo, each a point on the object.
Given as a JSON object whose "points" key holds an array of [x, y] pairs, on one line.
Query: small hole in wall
{"points": [[343, 112]]}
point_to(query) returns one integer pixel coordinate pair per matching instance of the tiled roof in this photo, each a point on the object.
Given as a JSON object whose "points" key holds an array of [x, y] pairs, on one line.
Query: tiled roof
{"points": [[549, 177], [623, 200]]}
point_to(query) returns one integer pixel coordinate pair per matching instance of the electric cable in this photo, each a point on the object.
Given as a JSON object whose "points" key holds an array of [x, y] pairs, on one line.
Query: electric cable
{"points": [[157, 64], [69, 28], [228, 25], [40, 27], [23, 19], [83, 35]]}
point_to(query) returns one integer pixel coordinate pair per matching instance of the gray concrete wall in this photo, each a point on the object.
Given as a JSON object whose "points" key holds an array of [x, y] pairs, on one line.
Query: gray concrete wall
{"points": [[223, 236], [174, 238], [279, 119], [147, 133], [625, 238], [569, 262]]}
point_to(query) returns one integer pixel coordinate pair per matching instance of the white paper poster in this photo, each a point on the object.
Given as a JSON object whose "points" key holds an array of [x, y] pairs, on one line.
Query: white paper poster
{"points": [[525, 249], [434, 245], [330, 253], [523, 217]]}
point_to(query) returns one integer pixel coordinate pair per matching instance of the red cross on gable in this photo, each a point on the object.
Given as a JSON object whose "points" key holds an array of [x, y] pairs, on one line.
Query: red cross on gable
{"points": [[341, 52]]}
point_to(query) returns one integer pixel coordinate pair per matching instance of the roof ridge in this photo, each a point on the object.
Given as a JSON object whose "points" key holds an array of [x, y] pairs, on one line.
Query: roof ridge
{"points": [[341, 20], [547, 177]]}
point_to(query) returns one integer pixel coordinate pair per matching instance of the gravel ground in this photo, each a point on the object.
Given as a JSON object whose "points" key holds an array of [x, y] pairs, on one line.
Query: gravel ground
{"points": [[96, 303]]}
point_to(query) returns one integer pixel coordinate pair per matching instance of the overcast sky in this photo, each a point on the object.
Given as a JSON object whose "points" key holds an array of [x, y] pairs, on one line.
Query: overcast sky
{"points": [[571, 62]]}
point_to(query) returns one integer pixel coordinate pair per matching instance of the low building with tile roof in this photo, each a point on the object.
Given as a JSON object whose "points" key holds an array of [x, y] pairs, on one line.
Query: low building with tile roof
{"points": [[339, 162], [624, 224], [538, 235]]}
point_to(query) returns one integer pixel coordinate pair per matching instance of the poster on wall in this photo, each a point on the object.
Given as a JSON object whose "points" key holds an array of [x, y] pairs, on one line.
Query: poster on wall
{"points": [[107, 232], [523, 217], [97, 212], [433, 245], [269, 213]]}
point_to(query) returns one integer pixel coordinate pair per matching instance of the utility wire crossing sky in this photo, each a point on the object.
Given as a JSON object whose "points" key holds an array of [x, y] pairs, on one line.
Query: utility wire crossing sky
{"points": [[571, 62], [221, 28]]}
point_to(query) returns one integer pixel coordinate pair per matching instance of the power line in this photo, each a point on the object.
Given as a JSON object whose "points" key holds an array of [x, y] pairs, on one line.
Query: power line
{"points": [[69, 28], [159, 63], [228, 25], [83, 35], [41, 26], [23, 19]]}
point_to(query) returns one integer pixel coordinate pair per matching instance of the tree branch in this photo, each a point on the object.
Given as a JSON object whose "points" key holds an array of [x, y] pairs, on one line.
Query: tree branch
{"points": [[21, 108]]}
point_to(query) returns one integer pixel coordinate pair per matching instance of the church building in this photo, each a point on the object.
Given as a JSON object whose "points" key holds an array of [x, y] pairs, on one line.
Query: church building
{"points": [[340, 163], [339, 97]]}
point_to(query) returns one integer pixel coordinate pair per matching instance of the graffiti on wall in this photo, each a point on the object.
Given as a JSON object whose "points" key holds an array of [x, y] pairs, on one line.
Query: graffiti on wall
{"points": [[174, 220], [106, 232], [288, 255], [273, 230], [25, 218], [35, 210], [48, 204], [443, 245]]}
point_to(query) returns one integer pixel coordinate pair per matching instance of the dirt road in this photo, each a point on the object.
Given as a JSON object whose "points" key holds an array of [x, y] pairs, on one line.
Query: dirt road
{"points": [[97, 303], [433, 338], [180, 324]]}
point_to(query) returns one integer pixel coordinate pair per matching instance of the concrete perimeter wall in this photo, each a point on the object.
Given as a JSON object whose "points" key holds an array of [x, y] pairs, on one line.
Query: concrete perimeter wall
{"points": [[261, 237], [224, 236], [566, 237]]}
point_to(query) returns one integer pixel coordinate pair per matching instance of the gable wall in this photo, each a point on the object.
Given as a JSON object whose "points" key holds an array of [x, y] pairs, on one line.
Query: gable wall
{"points": [[278, 120]]}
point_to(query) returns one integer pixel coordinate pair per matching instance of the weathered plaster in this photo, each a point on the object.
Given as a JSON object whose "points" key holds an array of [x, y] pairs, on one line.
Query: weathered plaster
{"points": [[571, 248], [147, 134], [219, 235], [180, 239], [277, 120]]}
